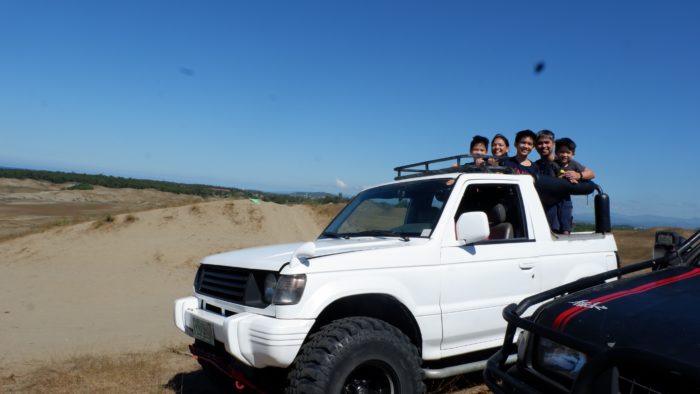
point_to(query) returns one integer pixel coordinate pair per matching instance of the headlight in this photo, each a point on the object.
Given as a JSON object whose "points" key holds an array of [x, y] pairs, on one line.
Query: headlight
{"points": [[269, 287], [289, 289], [559, 359]]}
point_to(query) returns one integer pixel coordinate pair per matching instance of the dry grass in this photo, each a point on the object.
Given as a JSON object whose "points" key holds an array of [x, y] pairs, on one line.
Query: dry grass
{"points": [[44, 225], [471, 383], [170, 370], [637, 245], [105, 220], [29, 206], [51, 216], [166, 371]]}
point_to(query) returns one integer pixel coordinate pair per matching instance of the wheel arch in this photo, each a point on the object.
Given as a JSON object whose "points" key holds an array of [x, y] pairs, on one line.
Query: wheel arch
{"points": [[376, 305]]}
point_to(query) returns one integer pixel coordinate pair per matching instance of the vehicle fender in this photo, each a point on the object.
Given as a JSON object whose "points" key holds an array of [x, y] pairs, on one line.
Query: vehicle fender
{"points": [[344, 285]]}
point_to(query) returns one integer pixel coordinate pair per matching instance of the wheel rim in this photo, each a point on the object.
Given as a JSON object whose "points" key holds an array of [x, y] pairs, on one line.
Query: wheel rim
{"points": [[371, 377]]}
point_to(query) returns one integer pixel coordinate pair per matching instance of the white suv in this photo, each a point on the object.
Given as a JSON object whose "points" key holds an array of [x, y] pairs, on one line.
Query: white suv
{"points": [[408, 282]]}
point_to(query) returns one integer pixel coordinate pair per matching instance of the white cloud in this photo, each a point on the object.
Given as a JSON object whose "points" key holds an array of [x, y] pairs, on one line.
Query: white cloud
{"points": [[341, 184]]}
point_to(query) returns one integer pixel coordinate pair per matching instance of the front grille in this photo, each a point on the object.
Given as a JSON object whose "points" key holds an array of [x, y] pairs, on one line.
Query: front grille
{"points": [[228, 284]]}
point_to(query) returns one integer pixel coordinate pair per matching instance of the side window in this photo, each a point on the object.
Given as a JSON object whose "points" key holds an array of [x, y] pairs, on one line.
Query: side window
{"points": [[503, 206]]}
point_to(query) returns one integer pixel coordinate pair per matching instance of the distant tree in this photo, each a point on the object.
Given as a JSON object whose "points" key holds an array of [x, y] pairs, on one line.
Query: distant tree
{"points": [[87, 181]]}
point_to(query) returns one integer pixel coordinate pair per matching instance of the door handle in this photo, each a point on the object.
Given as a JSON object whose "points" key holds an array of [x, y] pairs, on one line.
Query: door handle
{"points": [[526, 264]]}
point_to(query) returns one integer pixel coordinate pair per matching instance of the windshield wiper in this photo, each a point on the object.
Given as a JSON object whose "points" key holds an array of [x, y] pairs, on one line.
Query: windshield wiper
{"points": [[377, 233], [329, 234]]}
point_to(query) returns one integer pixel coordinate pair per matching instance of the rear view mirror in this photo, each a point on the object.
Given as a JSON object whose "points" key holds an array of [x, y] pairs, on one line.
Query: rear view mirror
{"points": [[666, 242], [473, 227]]}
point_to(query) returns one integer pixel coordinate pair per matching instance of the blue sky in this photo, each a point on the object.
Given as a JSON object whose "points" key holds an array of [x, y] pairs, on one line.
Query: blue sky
{"points": [[315, 95]]}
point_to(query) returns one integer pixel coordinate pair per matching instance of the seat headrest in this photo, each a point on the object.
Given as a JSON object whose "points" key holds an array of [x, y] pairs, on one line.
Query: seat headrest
{"points": [[497, 214]]}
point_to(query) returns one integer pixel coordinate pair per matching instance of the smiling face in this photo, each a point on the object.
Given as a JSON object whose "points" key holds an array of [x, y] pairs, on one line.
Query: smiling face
{"points": [[564, 154], [524, 147], [545, 146], [499, 147], [478, 149]]}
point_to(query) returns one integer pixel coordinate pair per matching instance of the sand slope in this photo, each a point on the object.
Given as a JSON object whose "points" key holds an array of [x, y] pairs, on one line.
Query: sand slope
{"points": [[108, 287], [28, 205]]}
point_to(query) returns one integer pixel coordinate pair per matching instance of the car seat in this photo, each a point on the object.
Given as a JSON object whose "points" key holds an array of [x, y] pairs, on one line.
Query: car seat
{"points": [[500, 229]]}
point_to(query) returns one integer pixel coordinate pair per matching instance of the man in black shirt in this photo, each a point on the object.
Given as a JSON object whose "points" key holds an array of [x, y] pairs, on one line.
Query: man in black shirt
{"points": [[547, 166]]}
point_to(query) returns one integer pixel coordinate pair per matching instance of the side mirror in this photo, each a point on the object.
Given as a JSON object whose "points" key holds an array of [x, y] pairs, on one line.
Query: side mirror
{"points": [[666, 242], [473, 227], [305, 250]]}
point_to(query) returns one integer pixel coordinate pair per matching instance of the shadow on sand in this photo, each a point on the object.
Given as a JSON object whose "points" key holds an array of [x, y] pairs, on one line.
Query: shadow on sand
{"points": [[200, 382]]}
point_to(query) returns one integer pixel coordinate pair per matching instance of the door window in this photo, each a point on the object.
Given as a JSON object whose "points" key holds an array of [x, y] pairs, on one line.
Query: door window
{"points": [[503, 206]]}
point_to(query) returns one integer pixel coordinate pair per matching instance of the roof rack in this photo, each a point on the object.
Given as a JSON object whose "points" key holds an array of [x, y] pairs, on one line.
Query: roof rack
{"points": [[446, 165]]}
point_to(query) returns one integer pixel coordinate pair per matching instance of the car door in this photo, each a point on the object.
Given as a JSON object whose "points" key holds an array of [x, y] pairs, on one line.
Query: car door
{"points": [[480, 279]]}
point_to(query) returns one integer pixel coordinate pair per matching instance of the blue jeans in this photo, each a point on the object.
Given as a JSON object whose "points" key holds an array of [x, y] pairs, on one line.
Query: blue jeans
{"points": [[552, 213], [566, 215]]}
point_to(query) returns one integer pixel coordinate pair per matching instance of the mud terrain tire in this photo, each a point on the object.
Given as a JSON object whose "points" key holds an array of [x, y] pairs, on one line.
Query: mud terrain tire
{"points": [[357, 355]]}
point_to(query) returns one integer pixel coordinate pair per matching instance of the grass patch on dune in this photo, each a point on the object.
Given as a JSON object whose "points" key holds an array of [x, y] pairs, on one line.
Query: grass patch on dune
{"points": [[39, 228], [107, 219]]}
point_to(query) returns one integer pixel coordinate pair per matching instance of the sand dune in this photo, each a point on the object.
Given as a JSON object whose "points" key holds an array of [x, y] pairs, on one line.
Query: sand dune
{"points": [[28, 205], [108, 286]]}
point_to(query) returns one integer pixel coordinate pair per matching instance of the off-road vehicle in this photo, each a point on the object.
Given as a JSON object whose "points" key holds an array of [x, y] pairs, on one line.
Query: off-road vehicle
{"points": [[406, 283], [634, 335]]}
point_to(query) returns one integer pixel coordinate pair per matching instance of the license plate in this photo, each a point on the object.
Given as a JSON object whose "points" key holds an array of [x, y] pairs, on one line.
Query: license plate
{"points": [[203, 330]]}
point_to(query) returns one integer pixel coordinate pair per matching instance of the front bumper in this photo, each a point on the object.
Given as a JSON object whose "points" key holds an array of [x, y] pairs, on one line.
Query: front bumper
{"points": [[255, 340]]}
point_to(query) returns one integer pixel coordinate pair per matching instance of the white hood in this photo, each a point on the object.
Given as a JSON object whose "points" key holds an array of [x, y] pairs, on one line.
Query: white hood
{"points": [[273, 257]]}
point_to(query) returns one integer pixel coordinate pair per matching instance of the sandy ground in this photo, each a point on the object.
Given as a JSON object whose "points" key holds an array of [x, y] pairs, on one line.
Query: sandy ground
{"points": [[108, 287]]}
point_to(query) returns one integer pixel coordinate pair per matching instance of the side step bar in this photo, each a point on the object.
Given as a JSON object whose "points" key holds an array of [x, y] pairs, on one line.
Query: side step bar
{"points": [[460, 369]]}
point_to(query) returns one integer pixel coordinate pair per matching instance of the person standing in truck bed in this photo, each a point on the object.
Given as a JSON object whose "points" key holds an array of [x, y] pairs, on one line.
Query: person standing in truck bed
{"points": [[499, 150], [572, 171], [524, 142], [479, 146]]}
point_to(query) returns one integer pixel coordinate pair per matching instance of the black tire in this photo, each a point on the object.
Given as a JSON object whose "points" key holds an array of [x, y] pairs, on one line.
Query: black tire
{"points": [[357, 355]]}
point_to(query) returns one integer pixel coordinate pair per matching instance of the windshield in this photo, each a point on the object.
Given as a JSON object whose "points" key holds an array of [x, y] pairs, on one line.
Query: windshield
{"points": [[401, 210]]}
